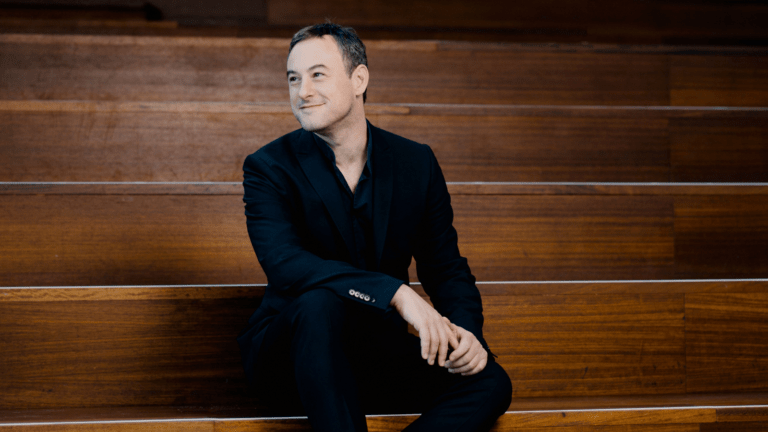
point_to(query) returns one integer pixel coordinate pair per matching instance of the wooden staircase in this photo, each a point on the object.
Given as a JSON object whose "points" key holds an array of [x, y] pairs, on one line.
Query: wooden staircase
{"points": [[612, 202]]}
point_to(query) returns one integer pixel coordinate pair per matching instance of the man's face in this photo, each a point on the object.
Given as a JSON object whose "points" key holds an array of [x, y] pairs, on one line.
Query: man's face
{"points": [[322, 93]]}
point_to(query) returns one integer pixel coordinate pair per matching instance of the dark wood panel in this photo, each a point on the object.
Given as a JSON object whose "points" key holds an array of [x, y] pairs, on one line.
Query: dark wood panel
{"points": [[727, 342], [499, 77], [721, 236], [571, 345], [183, 426], [725, 150], [735, 427], [212, 69], [182, 351], [455, 188], [125, 240], [193, 239], [505, 148], [201, 239], [113, 353], [133, 141], [649, 21], [118, 145], [566, 237], [738, 414], [718, 80]]}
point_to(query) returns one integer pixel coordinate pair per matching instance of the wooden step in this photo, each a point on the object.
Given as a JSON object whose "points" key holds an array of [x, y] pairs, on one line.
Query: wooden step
{"points": [[721, 412], [134, 233], [68, 19], [206, 141], [634, 21], [118, 346], [253, 70]]}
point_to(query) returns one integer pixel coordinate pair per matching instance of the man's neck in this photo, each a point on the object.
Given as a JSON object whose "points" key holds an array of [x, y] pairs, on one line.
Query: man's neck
{"points": [[349, 144]]}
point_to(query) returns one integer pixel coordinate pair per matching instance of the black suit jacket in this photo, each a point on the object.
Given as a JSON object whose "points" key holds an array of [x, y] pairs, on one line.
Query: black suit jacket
{"points": [[303, 237]]}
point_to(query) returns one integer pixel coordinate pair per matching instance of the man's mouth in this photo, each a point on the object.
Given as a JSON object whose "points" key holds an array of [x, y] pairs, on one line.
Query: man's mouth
{"points": [[309, 106]]}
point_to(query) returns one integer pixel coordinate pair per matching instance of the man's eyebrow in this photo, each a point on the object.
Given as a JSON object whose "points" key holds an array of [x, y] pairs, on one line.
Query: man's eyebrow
{"points": [[319, 65]]}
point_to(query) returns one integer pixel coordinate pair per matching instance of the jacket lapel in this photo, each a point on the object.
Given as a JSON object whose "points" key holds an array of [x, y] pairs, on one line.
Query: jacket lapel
{"points": [[383, 179], [315, 167]]}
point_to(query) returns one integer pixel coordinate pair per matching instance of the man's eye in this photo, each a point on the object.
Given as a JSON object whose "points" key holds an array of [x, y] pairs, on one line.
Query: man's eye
{"points": [[317, 74]]}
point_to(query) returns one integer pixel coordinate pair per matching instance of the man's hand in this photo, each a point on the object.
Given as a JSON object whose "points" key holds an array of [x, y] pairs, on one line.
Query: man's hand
{"points": [[469, 357], [434, 330]]}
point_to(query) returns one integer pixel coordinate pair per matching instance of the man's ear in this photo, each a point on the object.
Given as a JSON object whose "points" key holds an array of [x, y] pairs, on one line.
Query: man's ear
{"points": [[360, 79]]}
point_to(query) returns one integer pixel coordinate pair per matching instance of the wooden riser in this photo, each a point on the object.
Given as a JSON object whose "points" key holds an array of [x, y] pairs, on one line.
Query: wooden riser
{"points": [[195, 234], [195, 141], [175, 345], [253, 70], [677, 413]]}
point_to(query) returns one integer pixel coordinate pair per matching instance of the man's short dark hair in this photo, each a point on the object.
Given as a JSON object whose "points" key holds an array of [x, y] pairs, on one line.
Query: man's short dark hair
{"points": [[351, 47]]}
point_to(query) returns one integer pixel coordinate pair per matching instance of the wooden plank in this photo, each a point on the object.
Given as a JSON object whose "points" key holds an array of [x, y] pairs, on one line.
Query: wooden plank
{"points": [[234, 69], [653, 21], [727, 81], [727, 342], [125, 240], [193, 141], [571, 345], [566, 237], [130, 239], [733, 149], [180, 426], [240, 418], [181, 351], [123, 352], [735, 427], [201, 239], [455, 188], [717, 236], [503, 289], [751, 414]]}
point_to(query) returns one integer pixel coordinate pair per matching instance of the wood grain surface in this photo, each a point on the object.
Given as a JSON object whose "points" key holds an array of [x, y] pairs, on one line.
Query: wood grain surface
{"points": [[234, 69], [140, 239], [653, 21], [573, 345], [725, 341], [194, 141], [636, 409], [130, 346]]}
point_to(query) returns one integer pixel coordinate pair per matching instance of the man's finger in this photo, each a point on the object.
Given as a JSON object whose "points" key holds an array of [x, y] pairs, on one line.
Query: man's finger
{"points": [[465, 343], [467, 367], [453, 338], [424, 336], [479, 368], [444, 342], [434, 344]]}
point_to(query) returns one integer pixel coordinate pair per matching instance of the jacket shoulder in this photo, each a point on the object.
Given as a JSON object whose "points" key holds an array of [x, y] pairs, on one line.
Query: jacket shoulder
{"points": [[278, 151]]}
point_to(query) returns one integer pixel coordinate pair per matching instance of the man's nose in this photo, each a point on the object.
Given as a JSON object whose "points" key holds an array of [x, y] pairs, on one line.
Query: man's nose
{"points": [[306, 89]]}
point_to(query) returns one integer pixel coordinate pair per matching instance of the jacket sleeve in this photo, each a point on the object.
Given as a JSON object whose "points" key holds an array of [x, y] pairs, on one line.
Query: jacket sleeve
{"points": [[443, 272], [290, 267]]}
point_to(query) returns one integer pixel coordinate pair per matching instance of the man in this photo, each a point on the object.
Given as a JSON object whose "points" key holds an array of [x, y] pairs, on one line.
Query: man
{"points": [[335, 212]]}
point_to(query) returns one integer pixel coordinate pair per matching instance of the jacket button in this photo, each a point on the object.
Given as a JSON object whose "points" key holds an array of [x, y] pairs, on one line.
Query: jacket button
{"points": [[367, 298], [351, 292]]}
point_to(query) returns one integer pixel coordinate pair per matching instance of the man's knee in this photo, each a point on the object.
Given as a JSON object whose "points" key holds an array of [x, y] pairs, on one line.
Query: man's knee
{"points": [[317, 315], [499, 386]]}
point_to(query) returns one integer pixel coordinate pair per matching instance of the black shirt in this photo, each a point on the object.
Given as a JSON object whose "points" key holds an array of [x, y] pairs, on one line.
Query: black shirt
{"points": [[358, 205]]}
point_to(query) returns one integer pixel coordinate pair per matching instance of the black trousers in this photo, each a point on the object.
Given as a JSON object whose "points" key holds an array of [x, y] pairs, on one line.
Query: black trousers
{"points": [[340, 360]]}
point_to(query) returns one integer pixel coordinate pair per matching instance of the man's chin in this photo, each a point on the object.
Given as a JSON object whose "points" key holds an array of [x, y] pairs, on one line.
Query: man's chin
{"points": [[311, 126]]}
